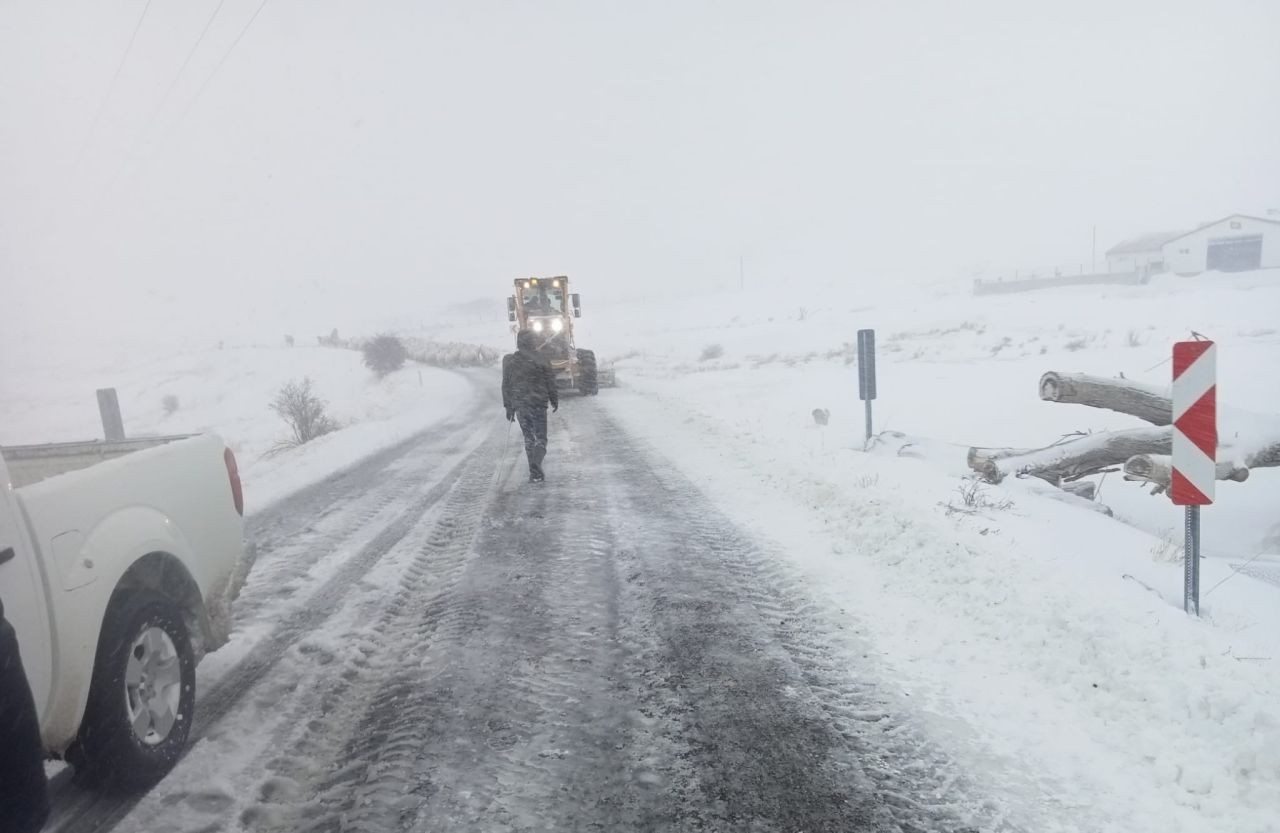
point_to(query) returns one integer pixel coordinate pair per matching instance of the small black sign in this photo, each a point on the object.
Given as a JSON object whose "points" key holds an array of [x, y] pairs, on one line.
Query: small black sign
{"points": [[867, 364]]}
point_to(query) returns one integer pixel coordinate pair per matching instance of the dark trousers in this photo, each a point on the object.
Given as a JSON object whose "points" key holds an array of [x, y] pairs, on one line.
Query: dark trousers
{"points": [[24, 795], [533, 423]]}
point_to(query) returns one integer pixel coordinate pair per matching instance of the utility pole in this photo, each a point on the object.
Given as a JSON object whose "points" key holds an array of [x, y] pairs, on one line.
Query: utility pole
{"points": [[1093, 263]]}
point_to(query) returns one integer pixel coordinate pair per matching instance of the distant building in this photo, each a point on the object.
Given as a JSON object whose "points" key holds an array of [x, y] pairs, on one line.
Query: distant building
{"points": [[1233, 244], [1141, 254]]}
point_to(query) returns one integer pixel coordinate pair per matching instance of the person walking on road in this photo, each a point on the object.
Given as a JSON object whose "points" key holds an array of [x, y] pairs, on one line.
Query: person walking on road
{"points": [[528, 385]]}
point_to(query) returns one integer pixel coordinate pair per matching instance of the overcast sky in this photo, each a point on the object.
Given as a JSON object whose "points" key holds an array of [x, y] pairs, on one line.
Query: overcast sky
{"points": [[381, 155]]}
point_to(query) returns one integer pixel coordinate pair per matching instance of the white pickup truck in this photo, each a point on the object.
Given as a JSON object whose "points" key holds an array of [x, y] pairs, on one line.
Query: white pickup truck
{"points": [[118, 567]]}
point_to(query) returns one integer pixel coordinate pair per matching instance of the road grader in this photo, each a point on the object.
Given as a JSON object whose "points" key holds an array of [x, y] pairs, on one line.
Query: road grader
{"points": [[547, 308]]}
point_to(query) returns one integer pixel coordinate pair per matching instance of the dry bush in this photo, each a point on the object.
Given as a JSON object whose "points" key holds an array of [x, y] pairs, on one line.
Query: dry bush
{"points": [[1167, 548], [303, 411], [170, 404], [384, 354], [975, 499], [711, 351]]}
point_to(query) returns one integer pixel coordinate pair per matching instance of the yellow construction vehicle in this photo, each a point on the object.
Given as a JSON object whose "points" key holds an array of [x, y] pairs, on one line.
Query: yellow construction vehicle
{"points": [[547, 308]]}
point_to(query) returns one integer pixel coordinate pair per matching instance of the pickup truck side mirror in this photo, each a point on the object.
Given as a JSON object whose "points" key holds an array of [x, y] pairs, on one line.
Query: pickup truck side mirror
{"points": [[511, 308], [577, 305]]}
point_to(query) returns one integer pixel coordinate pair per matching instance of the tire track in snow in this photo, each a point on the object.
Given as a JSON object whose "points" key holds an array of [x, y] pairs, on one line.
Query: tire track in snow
{"points": [[78, 810], [292, 535], [486, 722], [613, 654], [363, 769]]}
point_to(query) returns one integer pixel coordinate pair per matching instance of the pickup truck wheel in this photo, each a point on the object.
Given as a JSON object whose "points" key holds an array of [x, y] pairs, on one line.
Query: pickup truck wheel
{"points": [[142, 697]]}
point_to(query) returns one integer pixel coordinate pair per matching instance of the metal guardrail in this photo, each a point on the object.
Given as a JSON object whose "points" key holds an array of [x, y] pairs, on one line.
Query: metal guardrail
{"points": [[981, 287]]}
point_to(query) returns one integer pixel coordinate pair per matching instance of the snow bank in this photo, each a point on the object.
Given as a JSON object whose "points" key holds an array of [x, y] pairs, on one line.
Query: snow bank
{"points": [[1028, 634]]}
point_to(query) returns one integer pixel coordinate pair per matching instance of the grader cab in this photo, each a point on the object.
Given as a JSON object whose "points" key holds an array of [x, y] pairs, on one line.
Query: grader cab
{"points": [[545, 307]]}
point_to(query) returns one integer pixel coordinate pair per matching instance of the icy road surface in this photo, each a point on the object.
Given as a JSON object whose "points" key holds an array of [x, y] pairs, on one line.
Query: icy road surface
{"points": [[429, 642]]}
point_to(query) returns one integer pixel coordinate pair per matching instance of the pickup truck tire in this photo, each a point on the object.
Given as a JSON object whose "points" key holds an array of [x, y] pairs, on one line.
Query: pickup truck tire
{"points": [[142, 697]]}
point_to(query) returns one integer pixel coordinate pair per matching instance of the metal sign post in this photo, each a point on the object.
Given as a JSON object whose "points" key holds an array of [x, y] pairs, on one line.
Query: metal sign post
{"points": [[109, 408], [1195, 448], [867, 371]]}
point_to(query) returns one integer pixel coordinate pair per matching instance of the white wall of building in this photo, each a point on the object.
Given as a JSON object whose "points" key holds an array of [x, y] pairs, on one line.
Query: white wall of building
{"points": [[1134, 261], [1188, 255]]}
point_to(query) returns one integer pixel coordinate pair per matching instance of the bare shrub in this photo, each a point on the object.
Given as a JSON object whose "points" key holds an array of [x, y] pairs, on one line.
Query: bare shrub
{"points": [[974, 499], [1167, 548], [303, 411], [170, 404], [1133, 339], [1076, 344], [384, 354], [847, 351], [710, 352]]}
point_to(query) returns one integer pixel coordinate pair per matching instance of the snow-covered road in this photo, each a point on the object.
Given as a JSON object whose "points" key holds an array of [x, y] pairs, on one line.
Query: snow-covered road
{"points": [[428, 642]]}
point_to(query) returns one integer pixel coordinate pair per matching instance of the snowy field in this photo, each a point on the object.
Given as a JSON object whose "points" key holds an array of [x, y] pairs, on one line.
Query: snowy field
{"points": [[228, 390], [1044, 642]]}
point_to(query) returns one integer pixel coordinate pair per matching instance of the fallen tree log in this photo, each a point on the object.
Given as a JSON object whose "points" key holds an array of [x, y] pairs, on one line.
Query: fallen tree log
{"points": [[1141, 453], [978, 456], [1266, 456], [1149, 403], [1073, 459], [1157, 469]]}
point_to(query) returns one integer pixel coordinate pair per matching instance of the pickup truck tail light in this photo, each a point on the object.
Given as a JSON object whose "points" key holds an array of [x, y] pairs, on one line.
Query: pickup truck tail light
{"points": [[233, 474]]}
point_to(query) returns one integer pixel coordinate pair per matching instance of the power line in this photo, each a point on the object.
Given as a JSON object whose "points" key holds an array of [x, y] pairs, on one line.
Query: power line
{"points": [[185, 63], [111, 88], [218, 67], [164, 99], [204, 85]]}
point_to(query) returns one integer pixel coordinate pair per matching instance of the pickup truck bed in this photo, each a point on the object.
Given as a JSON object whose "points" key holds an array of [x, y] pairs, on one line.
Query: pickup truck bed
{"points": [[32, 463]]}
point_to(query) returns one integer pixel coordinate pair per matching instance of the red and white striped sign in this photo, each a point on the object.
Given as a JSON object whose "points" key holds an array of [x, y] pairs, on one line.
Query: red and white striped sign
{"points": [[1195, 422]]}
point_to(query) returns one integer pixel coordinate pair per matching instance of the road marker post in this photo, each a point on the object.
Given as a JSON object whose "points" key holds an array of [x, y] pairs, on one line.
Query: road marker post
{"points": [[1195, 448], [867, 372]]}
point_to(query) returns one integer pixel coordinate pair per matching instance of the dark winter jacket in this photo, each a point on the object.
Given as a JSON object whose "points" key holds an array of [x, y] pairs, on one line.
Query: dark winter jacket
{"points": [[24, 798], [528, 381]]}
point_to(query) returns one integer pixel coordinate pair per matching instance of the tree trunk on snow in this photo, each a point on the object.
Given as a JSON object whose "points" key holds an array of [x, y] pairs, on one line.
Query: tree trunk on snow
{"points": [[1148, 403], [1144, 453], [979, 455], [1266, 457], [1073, 459], [1157, 469]]}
